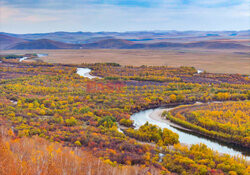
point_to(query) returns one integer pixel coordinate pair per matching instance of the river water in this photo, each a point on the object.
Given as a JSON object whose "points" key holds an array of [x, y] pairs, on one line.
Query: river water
{"points": [[187, 138], [23, 58], [85, 73], [39, 55]]}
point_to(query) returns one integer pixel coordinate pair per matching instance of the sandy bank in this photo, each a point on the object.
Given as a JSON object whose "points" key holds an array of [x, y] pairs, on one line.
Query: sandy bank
{"points": [[156, 115]]}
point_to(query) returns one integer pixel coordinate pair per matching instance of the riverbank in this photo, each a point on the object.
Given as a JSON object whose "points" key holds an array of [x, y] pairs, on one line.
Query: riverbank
{"points": [[157, 116], [186, 137], [210, 134], [36, 58]]}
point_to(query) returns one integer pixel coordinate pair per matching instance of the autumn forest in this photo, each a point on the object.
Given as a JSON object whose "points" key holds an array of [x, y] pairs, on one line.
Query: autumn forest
{"points": [[55, 121]]}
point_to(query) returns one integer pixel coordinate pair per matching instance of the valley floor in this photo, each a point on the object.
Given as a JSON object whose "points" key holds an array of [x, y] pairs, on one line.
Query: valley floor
{"points": [[216, 61]]}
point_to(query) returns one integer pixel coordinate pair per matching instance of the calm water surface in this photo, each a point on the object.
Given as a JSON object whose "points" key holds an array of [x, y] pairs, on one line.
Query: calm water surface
{"points": [[142, 117]]}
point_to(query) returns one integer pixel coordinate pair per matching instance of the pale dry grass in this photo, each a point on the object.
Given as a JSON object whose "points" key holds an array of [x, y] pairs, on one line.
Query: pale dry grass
{"points": [[218, 61]]}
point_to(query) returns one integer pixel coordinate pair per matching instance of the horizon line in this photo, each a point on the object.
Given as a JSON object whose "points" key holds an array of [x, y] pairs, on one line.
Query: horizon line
{"points": [[129, 31]]}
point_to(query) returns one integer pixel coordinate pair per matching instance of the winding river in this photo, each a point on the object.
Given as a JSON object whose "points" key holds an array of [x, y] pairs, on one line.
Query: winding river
{"points": [[39, 55], [186, 137], [153, 116]]}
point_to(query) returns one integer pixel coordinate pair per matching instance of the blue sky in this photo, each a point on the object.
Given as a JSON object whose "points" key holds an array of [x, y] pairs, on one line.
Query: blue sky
{"points": [[33, 16]]}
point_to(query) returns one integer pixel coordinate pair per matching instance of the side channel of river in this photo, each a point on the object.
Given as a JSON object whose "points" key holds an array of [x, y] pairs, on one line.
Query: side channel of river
{"points": [[39, 55], [85, 73]]}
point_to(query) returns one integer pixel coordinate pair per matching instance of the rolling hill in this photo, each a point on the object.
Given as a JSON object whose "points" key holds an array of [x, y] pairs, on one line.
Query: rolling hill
{"points": [[109, 44], [136, 36], [7, 41], [127, 40], [43, 44], [123, 44]]}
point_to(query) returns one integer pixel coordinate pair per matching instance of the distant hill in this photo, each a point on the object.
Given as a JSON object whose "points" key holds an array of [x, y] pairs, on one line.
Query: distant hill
{"points": [[127, 40], [109, 44], [96, 39], [124, 44], [43, 44], [217, 45], [6, 41], [66, 37], [136, 36]]}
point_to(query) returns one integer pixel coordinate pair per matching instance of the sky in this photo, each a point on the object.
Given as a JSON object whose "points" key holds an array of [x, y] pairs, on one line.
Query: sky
{"points": [[41, 16]]}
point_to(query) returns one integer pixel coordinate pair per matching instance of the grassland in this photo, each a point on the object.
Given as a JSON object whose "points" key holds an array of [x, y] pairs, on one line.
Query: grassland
{"points": [[216, 61]]}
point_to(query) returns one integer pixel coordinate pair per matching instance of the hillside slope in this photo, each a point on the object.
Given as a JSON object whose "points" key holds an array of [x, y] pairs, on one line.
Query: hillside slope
{"points": [[6, 41], [43, 44], [124, 44]]}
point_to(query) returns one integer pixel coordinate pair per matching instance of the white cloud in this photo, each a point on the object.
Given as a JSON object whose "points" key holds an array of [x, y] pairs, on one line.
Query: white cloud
{"points": [[99, 17], [6, 13], [37, 18], [11, 14]]}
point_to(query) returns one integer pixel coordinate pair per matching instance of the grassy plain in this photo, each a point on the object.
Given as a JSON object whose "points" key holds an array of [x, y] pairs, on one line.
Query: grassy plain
{"points": [[216, 61]]}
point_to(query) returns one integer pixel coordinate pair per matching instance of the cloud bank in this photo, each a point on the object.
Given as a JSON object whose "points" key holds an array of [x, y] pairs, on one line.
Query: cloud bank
{"points": [[30, 16]]}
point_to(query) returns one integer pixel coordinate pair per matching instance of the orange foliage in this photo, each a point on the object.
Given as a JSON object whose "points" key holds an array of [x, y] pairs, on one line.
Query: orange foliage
{"points": [[35, 155]]}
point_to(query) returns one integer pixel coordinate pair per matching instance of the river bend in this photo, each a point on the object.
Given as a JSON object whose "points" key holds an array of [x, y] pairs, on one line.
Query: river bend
{"points": [[152, 116]]}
